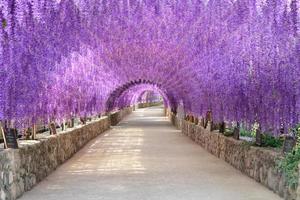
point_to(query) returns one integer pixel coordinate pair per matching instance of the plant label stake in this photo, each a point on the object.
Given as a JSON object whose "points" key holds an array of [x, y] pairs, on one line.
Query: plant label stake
{"points": [[222, 127], [202, 122], [236, 131], [83, 120], [69, 123], [33, 137], [3, 136], [258, 137], [289, 143], [10, 138], [72, 122], [52, 128]]}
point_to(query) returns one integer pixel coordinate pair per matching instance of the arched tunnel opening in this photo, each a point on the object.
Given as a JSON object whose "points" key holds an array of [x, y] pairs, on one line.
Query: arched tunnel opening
{"points": [[128, 94]]}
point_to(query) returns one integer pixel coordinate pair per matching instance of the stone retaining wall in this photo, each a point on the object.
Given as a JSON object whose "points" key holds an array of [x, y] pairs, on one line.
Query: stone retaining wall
{"points": [[256, 162], [117, 116], [23, 168]]}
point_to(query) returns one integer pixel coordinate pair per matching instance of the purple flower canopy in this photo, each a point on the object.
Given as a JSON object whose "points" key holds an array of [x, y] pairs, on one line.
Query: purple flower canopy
{"points": [[64, 58]]}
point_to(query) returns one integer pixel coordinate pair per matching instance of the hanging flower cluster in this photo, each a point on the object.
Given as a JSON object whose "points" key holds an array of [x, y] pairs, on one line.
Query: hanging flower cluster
{"points": [[238, 59]]}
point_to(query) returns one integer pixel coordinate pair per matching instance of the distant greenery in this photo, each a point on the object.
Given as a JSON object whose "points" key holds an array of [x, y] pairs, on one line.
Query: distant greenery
{"points": [[267, 140], [243, 132], [289, 164], [246, 133], [249, 133]]}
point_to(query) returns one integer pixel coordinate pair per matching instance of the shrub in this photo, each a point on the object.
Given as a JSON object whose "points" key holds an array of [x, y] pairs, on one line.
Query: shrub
{"points": [[228, 132], [289, 164], [246, 133], [270, 141]]}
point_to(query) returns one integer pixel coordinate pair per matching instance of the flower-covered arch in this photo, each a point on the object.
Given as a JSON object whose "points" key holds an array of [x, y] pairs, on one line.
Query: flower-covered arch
{"points": [[128, 94], [238, 59]]}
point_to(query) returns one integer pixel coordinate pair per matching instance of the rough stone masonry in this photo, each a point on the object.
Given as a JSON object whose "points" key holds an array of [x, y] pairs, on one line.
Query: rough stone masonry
{"points": [[21, 169], [256, 162]]}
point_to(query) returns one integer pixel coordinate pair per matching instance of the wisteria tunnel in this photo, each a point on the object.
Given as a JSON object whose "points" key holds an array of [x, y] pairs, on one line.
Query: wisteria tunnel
{"points": [[150, 99]]}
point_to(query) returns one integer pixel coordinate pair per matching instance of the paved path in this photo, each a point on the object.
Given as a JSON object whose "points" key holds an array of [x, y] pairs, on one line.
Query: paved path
{"points": [[145, 158]]}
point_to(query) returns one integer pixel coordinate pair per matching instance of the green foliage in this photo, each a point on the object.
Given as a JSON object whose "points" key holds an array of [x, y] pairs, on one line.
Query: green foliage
{"points": [[297, 131], [289, 164], [228, 132], [267, 140], [270, 141], [249, 133], [246, 133]]}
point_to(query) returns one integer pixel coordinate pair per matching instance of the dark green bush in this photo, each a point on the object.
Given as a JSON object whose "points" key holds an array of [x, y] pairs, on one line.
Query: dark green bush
{"points": [[270, 141], [267, 139], [289, 164], [246, 133]]}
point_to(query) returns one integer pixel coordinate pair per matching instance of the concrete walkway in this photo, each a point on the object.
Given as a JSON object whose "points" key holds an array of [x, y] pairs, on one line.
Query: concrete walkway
{"points": [[145, 158]]}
